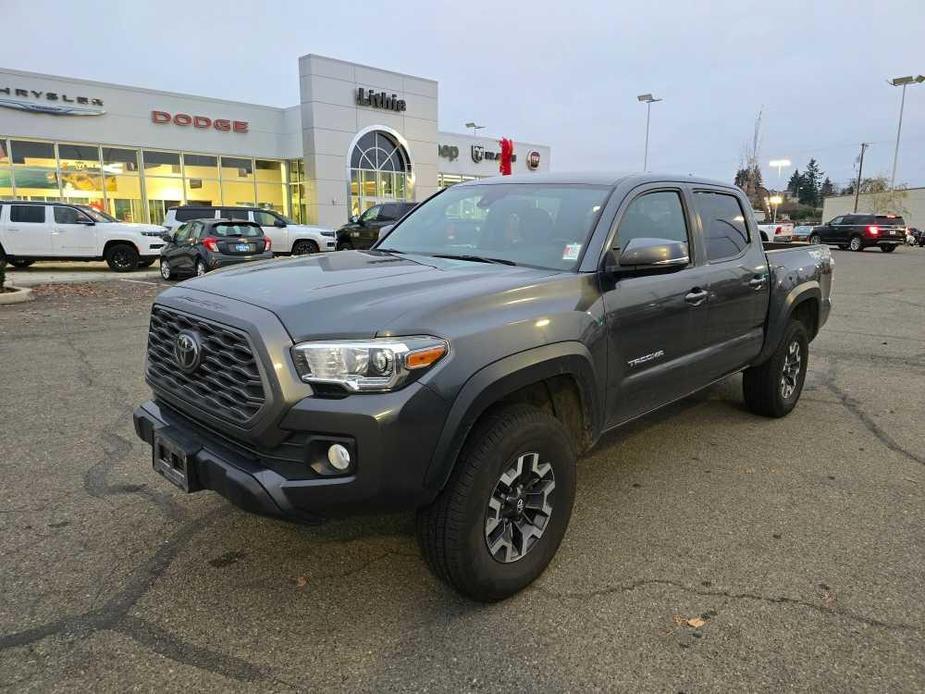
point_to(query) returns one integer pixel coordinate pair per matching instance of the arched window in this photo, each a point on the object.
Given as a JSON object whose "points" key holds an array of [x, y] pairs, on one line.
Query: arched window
{"points": [[380, 171]]}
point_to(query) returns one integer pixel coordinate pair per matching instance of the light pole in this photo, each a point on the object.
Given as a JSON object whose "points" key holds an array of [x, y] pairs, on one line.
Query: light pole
{"points": [[475, 128], [648, 100], [901, 82], [775, 200], [779, 164]]}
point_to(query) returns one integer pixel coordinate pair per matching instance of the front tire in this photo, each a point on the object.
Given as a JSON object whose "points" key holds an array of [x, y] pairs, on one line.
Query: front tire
{"points": [[856, 244], [887, 249], [773, 388], [122, 257], [814, 239], [201, 268], [498, 522], [21, 264], [166, 271], [304, 247]]}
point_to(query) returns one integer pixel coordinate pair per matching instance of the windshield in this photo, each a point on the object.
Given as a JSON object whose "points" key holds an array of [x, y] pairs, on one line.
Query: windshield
{"points": [[538, 225], [97, 216], [237, 230]]}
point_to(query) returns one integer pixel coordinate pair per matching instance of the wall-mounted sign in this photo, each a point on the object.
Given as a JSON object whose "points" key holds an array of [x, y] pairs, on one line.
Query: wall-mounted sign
{"points": [[367, 97], [448, 151], [202, 122], [533, 160], [479, 153], [52, 103]]}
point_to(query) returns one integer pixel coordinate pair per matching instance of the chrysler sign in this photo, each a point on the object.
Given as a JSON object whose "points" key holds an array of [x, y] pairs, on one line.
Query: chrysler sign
{"points": [[52, 103]]}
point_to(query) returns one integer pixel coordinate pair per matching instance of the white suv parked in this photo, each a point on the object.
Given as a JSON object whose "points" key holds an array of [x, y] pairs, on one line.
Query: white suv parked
{"points": [[31, 231], [286, 236]]}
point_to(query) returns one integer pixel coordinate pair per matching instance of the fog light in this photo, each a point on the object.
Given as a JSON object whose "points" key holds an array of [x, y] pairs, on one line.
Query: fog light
{"points": [[339, 457]]}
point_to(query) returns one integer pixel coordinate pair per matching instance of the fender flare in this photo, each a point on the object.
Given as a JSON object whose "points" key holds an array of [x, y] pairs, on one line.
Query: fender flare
{"points": [[779, 316], [501, 378]]}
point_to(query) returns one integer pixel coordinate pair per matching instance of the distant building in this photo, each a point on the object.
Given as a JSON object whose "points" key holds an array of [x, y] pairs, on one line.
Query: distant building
{"points": [[914, 204]]}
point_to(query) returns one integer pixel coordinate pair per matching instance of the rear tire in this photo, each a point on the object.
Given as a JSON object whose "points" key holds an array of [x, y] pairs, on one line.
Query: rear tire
{"points": [[122, 257], [166, 271], [513, 486], [814, 239], [856, 244], [887, 249], [21, 263], [304, 247], [201, 268], [773, 388]]}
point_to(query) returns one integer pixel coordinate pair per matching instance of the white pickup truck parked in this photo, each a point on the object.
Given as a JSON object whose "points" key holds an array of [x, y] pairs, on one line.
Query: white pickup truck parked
{"points": [[31, 231], [779, 232]]}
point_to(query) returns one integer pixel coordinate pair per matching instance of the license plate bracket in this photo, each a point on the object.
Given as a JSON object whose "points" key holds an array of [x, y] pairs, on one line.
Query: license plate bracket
{"points": [[173, 457], [243, 248]]}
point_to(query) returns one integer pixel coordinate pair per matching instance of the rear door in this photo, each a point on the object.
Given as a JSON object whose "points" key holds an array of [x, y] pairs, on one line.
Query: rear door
{"points": [[28, 232], [738, 282], [73, 234], [655, 322]]}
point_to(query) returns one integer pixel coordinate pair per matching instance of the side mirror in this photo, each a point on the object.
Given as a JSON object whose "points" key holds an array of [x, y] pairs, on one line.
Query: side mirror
{"points": [[167, 236], [354, 219], [653, 254]]}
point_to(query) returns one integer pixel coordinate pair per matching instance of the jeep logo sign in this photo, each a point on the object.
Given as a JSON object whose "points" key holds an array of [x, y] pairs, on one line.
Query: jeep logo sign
{"points": [[448, 151]]}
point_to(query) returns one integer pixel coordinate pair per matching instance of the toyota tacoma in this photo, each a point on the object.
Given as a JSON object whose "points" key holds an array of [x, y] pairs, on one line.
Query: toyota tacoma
{"points": [[459, 375]]}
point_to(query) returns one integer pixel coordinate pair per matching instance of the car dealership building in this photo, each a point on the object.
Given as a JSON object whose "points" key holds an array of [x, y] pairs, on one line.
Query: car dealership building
{"points": [[360, 136]]}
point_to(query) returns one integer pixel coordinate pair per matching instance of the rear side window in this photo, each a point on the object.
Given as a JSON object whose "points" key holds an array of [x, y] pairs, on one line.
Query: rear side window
{"points": [[33, 214], [237, 230], [890, 221], [658, 215], [233, 214], [184, 214], [724, 228], [264, 218]]}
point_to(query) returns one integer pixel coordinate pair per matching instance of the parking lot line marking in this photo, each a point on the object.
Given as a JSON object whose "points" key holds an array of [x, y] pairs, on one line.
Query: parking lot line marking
{"points": [[153, 284]]}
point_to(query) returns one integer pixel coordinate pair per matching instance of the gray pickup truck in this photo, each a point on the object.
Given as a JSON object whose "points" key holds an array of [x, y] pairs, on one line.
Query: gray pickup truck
{"points": [[460, 367]]}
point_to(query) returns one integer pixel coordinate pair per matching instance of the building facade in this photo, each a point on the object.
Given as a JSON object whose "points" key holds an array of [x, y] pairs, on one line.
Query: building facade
{"points": [[360, 135]]}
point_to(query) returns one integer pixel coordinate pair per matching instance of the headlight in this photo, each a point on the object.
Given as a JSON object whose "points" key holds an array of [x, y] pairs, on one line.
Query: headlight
{"points": [[327, 233], [152, 233], [376, 365]]}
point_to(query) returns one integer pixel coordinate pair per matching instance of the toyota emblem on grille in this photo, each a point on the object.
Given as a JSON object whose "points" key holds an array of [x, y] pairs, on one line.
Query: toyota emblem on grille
{"points": [[187, 351]]}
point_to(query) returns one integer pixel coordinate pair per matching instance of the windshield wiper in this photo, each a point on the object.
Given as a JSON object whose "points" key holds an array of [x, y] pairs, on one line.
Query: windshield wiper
{"points": [[388, 250], [475, 258]]}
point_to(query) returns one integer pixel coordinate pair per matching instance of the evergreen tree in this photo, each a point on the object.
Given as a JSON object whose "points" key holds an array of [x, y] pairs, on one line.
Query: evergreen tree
{"points": [[827, 189], [795, 183], [809, 188]]}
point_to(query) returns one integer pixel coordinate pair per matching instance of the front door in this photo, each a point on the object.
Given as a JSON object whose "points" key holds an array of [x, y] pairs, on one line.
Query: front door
{"points": [[275, 228], [179, 253], [738, 283], [73, 234], [655, 322], [28, 233], [829, 232]]}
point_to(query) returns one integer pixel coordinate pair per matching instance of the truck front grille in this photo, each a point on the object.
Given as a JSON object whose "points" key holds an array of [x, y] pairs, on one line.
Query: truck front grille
{"points": [[227, 382]]}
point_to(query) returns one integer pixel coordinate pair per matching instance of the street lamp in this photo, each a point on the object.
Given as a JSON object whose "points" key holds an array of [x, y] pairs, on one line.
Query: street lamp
{"points": [[779, 164], [475, 128], [648, 100], [901, 82], [775, 200]]}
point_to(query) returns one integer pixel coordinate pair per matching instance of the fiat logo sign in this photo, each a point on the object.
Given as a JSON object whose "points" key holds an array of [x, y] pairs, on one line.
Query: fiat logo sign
{"points": [[533, 160]]}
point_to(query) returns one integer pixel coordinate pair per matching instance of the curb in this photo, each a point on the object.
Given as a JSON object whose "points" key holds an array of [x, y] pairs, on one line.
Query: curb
{"points": [[19, 295]]}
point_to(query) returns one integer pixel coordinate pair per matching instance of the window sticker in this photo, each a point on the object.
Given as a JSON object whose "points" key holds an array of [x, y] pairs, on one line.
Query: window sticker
{"points": [[572, 251]]}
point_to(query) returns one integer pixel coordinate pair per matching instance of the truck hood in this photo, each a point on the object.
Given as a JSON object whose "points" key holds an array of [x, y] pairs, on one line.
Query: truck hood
{"points": [[361, 293]]}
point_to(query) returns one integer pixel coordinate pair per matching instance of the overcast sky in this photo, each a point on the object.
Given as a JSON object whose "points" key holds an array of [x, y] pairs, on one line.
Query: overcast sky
{"points": [[563, 73]]}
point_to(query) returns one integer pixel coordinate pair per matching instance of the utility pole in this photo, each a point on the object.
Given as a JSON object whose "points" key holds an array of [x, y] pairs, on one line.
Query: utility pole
{"points": [[857, 185]]}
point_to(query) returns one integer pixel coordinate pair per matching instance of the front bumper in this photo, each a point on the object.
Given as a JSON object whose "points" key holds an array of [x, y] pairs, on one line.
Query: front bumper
{"points": [[393, 436]]}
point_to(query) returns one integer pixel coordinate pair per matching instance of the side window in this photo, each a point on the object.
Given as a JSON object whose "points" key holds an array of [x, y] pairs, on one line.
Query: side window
{"points": [[372, 213], [184, 215], [837, 221], [68, 215], [30, 214], [183, 233], [228, 213], [724, 228], [264, 219], [658, 215]]}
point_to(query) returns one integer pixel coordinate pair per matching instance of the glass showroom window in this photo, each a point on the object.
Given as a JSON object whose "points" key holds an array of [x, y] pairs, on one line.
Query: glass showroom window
{"points": [[238, 181], [122, 184], [200, 172], [163, 185], [271, 191], [380, 171], [81, 175], [35, 170], [6, 171], [298, 205]]}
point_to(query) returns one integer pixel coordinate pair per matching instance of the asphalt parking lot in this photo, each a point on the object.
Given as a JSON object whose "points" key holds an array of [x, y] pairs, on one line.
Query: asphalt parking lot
{"points": [[709, 550]]}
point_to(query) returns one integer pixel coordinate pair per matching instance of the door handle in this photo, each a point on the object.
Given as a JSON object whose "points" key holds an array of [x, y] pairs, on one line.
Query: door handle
{"points": [[757, 282], [696, 296]]}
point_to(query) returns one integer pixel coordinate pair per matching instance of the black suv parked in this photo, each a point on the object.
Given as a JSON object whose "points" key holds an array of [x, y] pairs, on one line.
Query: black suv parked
{"points": [[206, 244], [859, 231], [363, 231]]}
